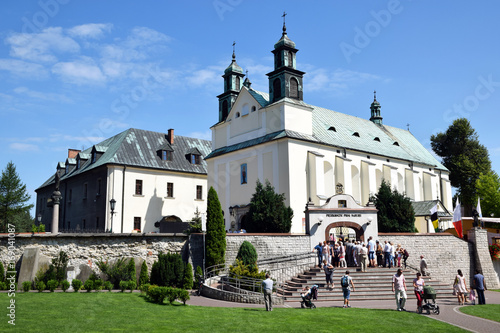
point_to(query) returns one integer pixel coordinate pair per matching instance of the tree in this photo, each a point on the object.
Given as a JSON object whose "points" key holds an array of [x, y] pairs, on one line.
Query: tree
{"points": [[195, 224], [488, 189], [216, 232], [143, 276], [268, 212], [247, 254], [395, 212], [464, 156], [13, 199]]}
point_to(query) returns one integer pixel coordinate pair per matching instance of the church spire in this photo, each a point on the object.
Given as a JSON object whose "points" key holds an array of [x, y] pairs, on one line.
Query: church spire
{"points": [[375, 110], [285, 80], [233, 75]]}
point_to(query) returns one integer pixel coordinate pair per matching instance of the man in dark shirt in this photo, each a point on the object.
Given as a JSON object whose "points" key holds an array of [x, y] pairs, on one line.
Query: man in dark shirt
{"points": [[480, 286]]}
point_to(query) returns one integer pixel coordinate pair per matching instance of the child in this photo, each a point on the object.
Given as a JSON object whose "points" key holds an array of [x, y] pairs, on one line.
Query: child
{"points": [[472, 296]]}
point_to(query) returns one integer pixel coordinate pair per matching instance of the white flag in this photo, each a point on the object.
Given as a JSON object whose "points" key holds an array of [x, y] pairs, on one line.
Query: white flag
{"points": [[478, 208]]}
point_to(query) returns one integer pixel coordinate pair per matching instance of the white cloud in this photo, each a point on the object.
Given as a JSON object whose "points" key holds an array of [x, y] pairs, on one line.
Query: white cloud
{"points": [[202, 77], [42, 95], [23, 69], [25, 147], [207, 135], [90, 30], [41, 47], [83, 71], [337, 81]]}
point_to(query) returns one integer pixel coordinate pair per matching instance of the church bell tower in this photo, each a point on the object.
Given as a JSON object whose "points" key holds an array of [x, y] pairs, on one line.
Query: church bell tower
{"points": [[285, 80], [375, 110], [233, 76]]}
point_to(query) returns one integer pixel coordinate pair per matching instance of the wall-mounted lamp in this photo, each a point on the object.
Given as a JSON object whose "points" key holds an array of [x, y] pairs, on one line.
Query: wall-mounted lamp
{"points": [[370, 219], [320, 220]]}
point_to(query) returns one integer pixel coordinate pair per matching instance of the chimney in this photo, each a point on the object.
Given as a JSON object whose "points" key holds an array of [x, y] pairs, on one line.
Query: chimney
{"points": [[171, 136], [73, 152]]}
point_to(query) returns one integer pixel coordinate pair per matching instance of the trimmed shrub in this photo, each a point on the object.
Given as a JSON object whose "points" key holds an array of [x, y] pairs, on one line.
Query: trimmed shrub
{"points": [[98, 284], [247, 254], [168, 270], [88, 285], [123, 285], [2, 272], [115, 272], [108, 285], [144, 288], [52, 285], [131, 270], [157, 294], [183, 295], [40, 286], [188, 277], [131, 285], [143, 276], [27, 286], [76, 284], [60, 264], [65, 285], [172, 294], [3, 286], [215, 245]]}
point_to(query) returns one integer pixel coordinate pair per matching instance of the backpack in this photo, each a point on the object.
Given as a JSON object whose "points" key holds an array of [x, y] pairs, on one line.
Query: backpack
{"points": [[344, 282]]}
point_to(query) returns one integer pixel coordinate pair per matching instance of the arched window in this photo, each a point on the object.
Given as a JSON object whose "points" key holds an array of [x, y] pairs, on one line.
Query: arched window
{"points": [[224, 110], [237, 114], [237, 83], [278, 60], [294, 88], [254, 108], [277, 89], [290, 59]]}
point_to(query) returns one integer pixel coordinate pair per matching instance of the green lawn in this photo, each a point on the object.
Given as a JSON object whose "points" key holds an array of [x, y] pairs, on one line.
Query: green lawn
{"points": [[104, 312], [487, 311]]}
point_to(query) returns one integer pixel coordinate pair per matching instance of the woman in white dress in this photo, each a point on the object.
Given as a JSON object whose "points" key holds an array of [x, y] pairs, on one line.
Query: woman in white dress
{"points": [[460, 287]]}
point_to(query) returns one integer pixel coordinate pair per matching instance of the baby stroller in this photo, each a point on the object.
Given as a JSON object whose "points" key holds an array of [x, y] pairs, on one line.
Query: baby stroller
{"points": [[429, 297], [307, 297]]}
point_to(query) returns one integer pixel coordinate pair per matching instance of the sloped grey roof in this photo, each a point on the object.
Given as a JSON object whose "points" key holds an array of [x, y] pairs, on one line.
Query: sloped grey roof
{"points": [[135, 147], [423, 208]]}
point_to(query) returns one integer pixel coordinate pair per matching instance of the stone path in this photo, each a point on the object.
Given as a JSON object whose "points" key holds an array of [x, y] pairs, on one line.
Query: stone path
{"points": [[448, 308]]}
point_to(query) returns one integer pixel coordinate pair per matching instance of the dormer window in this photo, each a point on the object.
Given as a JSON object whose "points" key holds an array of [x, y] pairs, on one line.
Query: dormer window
{"points": [[94, 156], [396, 143], [78, 164], [376, 139], [195, 159], [355, 134], [66, 170], [166, 155], [193, 155], [332, 129]]}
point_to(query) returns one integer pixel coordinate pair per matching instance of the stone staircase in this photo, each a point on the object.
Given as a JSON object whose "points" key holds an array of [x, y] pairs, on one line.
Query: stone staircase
{"points": [[374, 284]]}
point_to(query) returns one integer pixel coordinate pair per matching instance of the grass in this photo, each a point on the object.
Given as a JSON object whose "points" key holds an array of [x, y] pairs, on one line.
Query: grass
{"points": [[486, 311], [105, 312]]}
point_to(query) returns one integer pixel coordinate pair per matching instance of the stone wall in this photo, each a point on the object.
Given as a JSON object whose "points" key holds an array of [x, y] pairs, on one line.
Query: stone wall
{"points": [[444, 253], [85, 249], [482, 258]]}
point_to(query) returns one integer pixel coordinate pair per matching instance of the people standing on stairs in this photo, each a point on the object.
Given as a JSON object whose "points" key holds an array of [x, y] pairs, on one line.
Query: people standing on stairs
{"points": [[363, 257], [336, 255], [423, 266], [380, 254], [393, 254], [319, 250], [328, 274], [372, 247], [326, 252], [399, 254], [418, 285], [387, 254], [399, 289], [342, 261], [348, 253]]}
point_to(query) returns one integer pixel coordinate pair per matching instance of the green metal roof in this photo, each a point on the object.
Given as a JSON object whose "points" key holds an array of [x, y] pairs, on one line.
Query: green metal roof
{"points": [[423, 208]]}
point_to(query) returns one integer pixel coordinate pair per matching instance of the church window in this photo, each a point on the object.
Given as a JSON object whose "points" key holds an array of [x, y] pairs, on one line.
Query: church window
{"points": [[170, 190], [237, 114], [278, 60], [376, 139], [396, 143], [137, 223], [237, 83], [224, 110], [294, 88], [254, 108], [138, 187], [277, 89], [290, 59], [243, 174], [199, 192], [355, 134]]}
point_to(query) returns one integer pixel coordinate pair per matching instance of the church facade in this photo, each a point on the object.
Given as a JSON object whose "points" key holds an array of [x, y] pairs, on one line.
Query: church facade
{"points": [[307, 152]]}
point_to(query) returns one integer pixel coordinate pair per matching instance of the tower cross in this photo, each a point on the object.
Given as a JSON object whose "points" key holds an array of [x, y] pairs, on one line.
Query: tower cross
{"points": [[234, 55], [284, 16]]}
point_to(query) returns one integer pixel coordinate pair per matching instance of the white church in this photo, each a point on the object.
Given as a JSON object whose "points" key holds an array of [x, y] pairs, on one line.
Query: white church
{"points": [[310, 153]]}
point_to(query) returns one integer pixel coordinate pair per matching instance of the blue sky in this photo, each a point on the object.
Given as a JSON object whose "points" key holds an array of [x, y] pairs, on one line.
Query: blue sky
{"points": [[73, 73]]}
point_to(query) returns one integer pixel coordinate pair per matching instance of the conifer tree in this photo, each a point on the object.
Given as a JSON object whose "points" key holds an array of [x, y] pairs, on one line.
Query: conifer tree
{"points": [[215, 243]]}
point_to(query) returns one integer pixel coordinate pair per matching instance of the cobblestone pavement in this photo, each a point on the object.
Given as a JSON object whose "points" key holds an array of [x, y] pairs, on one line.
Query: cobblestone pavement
{"points": [[449, 310]]}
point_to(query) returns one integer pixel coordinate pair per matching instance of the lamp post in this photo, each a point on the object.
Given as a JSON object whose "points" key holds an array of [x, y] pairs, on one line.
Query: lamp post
{"points": [[39, 219], [112, 205]]}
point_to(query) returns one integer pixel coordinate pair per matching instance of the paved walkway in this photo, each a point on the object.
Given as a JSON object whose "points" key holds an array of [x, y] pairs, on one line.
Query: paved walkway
{"points": [[449, 310]]}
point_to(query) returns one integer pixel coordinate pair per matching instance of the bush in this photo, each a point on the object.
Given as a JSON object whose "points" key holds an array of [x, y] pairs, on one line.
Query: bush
{"points": [[76, 284], [156, 294], [168, 270], [143, 276], [108, 285], [123, 285], [215, 245], [65, 285], [116, 272], [98, 284], [131, 270], [199, 275], [183, 295], [3, 286], [88, 285], [172, 294], [144, 288], [27, 286], [188, 277], [251, 271], [60, 264], [40, 286], [41, 228], [52, 285], [2, 272], [131, 285], [247, 254]]}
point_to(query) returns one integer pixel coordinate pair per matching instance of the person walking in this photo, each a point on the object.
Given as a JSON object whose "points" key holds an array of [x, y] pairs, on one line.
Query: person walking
{"points": [[326, 252], [480, 286], [319, 250], [399, 289], [423, 265], [267, 287], [418, 285], [342, 261], [460, 287], [346, 283], [328, 274]]}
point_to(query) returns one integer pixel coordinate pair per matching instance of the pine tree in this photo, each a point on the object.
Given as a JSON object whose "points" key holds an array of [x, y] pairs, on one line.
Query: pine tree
{"points": [[131, 270], [268, 212], [188, 277], [143, 276], [13, 199], [216, 233]]}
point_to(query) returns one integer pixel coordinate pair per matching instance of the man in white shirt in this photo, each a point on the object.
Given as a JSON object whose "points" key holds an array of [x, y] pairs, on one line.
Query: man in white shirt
{"points": [[387, 254], [267, 288], [399, 289]]}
